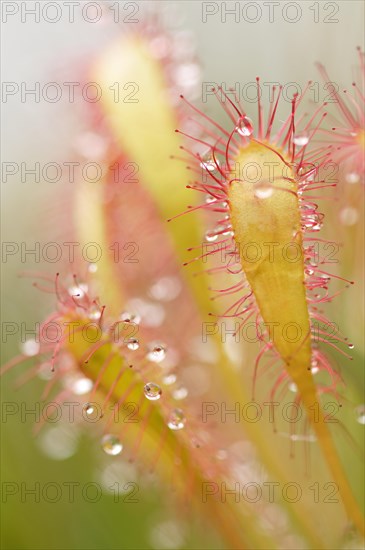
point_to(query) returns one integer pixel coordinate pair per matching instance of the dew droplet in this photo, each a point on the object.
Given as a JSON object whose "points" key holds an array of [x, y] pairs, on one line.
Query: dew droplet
{"points": [[169, 379], [165, 289], [59, 443], [80, 386], [111, 444], [208, 163], [293, 387], [301, 139], [221, 454], [314, 366], [244, 126], [78, 291], [360, 414], [349, 216], [263, 191], [210, 236], [130, 318], [180, 393], [94, 312], [92, 268], [30, 347], [176, 420], [209, 199], [352, 177], [157, 353], [88, 408], [152, 391], [351, 346], [132, 344]]}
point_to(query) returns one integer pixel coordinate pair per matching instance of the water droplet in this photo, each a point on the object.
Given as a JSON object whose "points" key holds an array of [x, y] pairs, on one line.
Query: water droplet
{"points": [[60, 442], [263, 191], [176, 420], [180, 393], [94, 312], [208, 163], [360, 413], [78, 291], [292, 387], [210, 199], [111, 444], [92, 268], [153, 314], [301, 139], [169, 379], [168, 536], [132, 344], [349, 216], [130, 318], [165, 289], [30, 347], [81, 386], [351, 346], [187, 74], [45, 371], [157, 353], [352, 177], [314, 366], [88, 408], [221, 454], [210, 236], [244, 126], [152, 391]]}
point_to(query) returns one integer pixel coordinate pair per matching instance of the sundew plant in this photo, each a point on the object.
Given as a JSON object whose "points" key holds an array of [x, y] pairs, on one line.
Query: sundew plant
{"points": [[194, 370]]}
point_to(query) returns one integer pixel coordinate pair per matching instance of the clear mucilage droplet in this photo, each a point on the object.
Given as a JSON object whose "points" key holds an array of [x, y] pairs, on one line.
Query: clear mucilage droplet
{"points": [[152, 391], [88, 408], [360, 414], [244, 126], [111, 445], [156, 353], [132, 344], [208, 163], [176, 420], [130, 318], [264, 191], [301, 139], [94, 312]]}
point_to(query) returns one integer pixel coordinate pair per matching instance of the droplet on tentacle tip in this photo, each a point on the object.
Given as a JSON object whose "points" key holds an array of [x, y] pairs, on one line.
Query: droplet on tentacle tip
{"points": [[210, 236], [94, 312], [300, 139], [352, 177], [132, 344], [88, 408], [360, 414], [152, 391], [208, 163], [244, 126], [349, 216], [176, 420], [111, 445], [128, 317], [156, 353], [263, 191], [30, 347]]}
